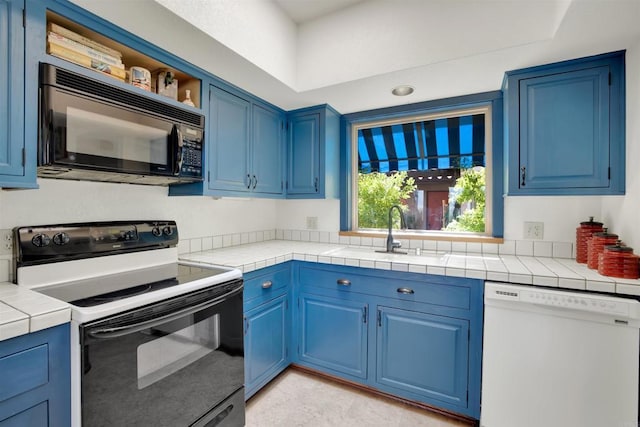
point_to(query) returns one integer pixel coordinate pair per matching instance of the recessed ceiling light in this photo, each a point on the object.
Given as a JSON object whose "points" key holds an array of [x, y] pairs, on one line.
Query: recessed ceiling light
{"points": [[403, 90]]}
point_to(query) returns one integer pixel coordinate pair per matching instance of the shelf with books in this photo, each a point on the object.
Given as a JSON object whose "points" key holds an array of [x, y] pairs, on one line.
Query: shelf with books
{"points": [[80, 45]]}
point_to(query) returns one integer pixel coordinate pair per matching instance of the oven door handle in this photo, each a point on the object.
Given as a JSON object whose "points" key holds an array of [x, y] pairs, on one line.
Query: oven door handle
{"points": [[119, 331]]}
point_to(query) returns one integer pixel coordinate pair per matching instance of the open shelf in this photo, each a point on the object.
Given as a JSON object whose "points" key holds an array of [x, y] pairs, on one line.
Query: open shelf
{"points": [[132, 57]]}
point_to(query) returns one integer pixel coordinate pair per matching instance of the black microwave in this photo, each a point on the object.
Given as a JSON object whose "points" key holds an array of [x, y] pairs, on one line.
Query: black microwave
{"points": [[91, 130]]}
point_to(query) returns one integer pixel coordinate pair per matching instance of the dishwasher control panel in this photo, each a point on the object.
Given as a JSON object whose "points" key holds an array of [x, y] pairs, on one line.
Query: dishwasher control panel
{"points": [[594, 303]]}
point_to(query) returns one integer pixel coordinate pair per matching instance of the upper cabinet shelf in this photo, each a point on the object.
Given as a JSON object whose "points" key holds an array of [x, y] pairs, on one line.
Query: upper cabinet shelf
{"points": [[565, 127], [83, 46]]}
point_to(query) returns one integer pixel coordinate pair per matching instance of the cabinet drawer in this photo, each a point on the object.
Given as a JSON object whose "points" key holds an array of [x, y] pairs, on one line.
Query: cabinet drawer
{"points": [[387, 285], [269, 283], [23, 371]]}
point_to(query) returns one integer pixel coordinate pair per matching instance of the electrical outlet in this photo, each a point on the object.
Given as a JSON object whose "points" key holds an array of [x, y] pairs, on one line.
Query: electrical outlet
{"points": [[312, 223], [6, 243], [534, 230]]}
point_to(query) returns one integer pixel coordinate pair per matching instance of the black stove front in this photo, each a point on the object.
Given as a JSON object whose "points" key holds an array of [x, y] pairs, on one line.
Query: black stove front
{"points": [[179, 362], [160, 343]]}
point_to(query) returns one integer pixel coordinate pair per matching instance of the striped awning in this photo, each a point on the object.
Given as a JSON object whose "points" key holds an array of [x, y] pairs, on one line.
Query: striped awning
{"points": [[456, 142]]}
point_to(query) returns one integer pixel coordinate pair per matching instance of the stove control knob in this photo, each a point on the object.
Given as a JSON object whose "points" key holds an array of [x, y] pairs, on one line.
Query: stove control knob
{"points": [[168, 231], [156, 231], [41, 240], [61, 239]]}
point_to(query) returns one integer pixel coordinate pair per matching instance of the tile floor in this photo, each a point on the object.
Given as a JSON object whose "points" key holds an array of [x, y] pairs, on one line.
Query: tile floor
{"points": [[296, 398]]}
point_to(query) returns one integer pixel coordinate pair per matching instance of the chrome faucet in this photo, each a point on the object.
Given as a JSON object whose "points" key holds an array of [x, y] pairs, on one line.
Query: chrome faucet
{"points": [[392, 245]]}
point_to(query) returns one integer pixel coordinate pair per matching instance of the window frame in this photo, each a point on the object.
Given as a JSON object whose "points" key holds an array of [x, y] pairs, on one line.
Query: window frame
{"points": [[494, 165]]}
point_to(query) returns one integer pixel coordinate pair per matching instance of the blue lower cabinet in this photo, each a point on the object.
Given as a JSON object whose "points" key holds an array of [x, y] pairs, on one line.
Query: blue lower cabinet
{"points": [[423, 354], [411, 335], [35, 379], [267, 325], [266, 343], [333, 334]]}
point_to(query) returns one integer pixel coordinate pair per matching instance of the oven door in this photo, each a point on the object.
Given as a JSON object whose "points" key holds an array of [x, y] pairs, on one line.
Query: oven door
{"points": [[80, 131], [174, 363]]}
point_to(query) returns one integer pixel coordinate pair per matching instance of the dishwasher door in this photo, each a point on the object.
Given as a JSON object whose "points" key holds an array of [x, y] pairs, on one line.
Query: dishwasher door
{"points": [[558, 359]]}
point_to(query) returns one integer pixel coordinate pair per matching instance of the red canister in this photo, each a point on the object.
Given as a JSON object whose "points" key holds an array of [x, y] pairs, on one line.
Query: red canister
{"points": [[619, 261], [583, 233], [596, 244]]}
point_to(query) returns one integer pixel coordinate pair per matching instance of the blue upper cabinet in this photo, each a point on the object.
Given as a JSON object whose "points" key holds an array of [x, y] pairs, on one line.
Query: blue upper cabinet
{"points": [[267, 150], [245, 140], [314, 157], [228, 131], [565, 127], [13, 171]]}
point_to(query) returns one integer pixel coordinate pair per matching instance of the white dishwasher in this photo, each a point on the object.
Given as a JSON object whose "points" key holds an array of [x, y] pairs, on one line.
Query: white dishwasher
{"points": [[553, 358]]}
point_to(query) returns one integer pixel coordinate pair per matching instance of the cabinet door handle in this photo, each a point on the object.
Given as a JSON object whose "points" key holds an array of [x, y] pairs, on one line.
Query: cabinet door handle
{"points": [[405, 291], [364, 314], [246, 325], [523, 173], [248, 181], [267, 284], [343, 282], [315, 184], [255, 182]]}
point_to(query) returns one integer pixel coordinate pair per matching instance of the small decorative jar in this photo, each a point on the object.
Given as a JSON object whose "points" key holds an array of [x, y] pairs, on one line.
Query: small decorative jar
{"points": [[583, 233], [596, 244], [619, 261]]}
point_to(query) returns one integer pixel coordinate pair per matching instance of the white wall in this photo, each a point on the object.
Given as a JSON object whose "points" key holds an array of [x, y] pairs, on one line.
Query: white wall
{"points": [[71, 201], [624, 212]]}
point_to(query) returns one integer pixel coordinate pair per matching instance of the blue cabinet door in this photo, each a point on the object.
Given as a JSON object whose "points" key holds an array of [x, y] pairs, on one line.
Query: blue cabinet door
{"points": [[35, 376], [11, 93], [304, 154], [565, 127], [333, 334], [564, 130], [423, 354], [229, 140], [266, 352], [267, 167]]}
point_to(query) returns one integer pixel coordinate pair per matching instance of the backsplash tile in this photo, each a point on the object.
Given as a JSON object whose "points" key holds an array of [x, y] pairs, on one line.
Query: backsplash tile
{"points": [[508, 247], [524, 247]]}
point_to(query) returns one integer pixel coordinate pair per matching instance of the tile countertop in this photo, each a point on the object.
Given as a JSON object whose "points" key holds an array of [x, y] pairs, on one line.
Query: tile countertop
{"points": [[23, 311], [526, 270]]}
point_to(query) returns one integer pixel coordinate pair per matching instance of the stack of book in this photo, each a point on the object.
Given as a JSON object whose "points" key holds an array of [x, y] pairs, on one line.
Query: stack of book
{"points": [[80, 50]]}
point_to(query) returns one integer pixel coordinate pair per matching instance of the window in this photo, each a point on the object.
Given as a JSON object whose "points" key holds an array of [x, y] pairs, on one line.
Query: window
{"points": [[437, 165]]}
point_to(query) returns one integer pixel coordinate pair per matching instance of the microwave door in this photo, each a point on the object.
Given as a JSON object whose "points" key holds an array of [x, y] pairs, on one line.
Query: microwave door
{"points": [[89, 134]]}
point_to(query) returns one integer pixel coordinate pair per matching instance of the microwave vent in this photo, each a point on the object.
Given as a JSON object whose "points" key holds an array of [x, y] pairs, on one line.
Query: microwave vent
{"points": [[84, 84]]}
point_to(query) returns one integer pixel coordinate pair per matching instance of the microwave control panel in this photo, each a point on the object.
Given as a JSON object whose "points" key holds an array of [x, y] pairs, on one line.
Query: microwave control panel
{"points": [[191, 152]]}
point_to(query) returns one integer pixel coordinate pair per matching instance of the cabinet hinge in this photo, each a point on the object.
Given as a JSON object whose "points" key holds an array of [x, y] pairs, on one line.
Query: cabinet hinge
{"points": [[24, 158], [609, 78]]}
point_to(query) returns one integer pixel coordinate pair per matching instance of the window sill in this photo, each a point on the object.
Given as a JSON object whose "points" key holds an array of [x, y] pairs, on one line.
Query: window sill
{"points": [[445, 237]]}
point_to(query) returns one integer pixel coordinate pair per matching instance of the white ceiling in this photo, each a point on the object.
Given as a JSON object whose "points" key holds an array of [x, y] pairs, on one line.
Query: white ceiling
{"points": [[301, 11], [350, 53]]}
